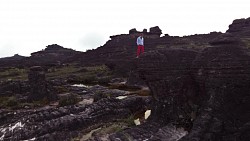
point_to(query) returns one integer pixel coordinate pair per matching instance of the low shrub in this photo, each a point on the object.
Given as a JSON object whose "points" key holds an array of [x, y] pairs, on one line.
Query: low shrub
{"points": [[70, 99]]}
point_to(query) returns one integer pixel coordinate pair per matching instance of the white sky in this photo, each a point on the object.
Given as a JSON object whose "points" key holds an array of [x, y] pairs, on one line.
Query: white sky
{"points": [[27, 26]]}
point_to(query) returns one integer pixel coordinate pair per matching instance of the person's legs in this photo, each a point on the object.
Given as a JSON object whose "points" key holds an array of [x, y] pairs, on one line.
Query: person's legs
{"points": [[142, 49], [138, 51]]}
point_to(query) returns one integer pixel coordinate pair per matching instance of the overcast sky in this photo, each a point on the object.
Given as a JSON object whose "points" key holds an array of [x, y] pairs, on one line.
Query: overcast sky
{"points": [[27, 26]]}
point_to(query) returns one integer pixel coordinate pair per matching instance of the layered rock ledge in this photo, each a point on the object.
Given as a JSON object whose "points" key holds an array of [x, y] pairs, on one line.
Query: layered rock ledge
{"points": [[206, 92]]}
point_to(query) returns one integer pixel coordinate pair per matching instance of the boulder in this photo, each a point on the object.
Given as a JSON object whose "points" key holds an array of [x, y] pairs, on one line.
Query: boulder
{"points": [[155, 30]]}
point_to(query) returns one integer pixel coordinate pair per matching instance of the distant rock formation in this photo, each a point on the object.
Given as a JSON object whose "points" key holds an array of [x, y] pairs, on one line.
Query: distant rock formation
{"points": [[16, 60], [52, 55], [15, 57], [240, 27], [155, 30]]}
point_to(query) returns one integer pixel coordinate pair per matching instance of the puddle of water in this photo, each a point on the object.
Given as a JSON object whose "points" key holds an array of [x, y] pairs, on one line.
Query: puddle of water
{"points": [[10, 128], [80, 85], [121, 97], [29, 139]]}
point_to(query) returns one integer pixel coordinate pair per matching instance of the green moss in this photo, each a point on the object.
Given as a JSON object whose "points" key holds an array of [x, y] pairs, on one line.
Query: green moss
{"points": [[9, 102], [86, 75], [69, 100], [100, 95], [14, 74], [104, 80], [62, 72], [129, 121], [41, 102], [61, 89]]}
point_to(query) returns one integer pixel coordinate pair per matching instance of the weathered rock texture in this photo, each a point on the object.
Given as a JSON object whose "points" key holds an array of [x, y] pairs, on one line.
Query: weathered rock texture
{"points": [[208, 92], [10, 88], [65, 123], [120, 51], [39, 88], [52, 55], [240, 27], [16, 60], [200, 86]]}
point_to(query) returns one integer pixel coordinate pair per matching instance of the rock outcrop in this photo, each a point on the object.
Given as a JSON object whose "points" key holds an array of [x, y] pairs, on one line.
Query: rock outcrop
{"points": [[16, 60], [223, 72], [240, 27], [39, 87], [120, 51], [206, 93], [52, 55], [69, 122], [155, 30]]}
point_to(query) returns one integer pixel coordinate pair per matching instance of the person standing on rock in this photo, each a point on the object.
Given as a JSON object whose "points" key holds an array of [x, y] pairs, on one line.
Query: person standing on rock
{"points": [[140, 45]]}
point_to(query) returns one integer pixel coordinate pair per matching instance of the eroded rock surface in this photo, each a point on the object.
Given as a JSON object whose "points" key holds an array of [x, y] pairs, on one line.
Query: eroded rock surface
{"points": [[39, 87], [210, 89], [67, 122]]}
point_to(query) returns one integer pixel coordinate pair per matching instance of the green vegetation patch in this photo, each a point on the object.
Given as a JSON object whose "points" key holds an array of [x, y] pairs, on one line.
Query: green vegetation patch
{"points": [[9, 102], [62, 72], [70, 99], [13, 74], [85, 75]]}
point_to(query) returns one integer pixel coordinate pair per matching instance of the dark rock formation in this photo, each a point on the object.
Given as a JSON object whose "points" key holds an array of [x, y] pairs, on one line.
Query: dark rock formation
{"points": [[52, 55], [120, 51], [206, 92], [10, 88], [132, 31], [15, 57], [224, 75], [13, 61], [240, 27], [38, 85], [155, 30], [168, 75], [226, 39], [65, 123]]}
